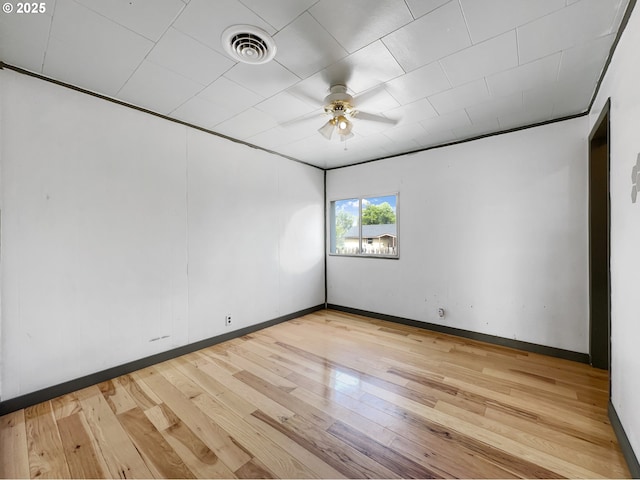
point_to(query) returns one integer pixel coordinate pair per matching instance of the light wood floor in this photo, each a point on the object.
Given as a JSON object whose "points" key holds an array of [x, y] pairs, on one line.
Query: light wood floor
{"points": [[328, 395]]}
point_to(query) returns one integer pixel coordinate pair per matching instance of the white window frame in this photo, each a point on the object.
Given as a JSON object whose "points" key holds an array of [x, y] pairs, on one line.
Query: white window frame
{"points": [[361, 254]]}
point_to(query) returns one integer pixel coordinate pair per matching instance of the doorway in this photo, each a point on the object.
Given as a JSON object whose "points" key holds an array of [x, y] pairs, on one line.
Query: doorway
{"points": [[599, 243]]}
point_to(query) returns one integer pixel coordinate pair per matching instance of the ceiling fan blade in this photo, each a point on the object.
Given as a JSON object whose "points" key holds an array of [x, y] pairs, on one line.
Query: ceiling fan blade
{"points": [[302, 118], [363, 97], [306, 97], [374, 118]]}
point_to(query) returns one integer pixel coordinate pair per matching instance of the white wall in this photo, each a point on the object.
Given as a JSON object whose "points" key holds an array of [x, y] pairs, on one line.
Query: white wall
{"points": [[494, 231], [119, 227], [622, 86]]}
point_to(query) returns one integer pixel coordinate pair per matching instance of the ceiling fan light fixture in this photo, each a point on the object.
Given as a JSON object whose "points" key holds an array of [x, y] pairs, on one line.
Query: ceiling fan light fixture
{"points": [[327, 129], [344, 125], [344, 138]]}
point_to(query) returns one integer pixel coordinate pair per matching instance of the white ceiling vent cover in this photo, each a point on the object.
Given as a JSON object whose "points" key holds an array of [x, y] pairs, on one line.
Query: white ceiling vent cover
{"points": [[248, 44]]}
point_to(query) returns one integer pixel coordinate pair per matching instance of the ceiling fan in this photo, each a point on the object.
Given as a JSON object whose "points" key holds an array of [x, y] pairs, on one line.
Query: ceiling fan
{"points": [[339, 105]]}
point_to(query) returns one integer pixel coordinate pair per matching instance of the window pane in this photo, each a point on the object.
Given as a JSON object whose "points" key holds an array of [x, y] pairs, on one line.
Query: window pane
{"points": [[379, 225], [364, 226], [344, 225]]}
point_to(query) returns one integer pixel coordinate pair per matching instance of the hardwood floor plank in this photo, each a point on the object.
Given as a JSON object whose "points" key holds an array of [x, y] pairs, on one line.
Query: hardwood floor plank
{"points": [[253, 469], [46, 455], [116, 396], [328, 395], [342, 457], [268, 453], [210, 433], [161, 459], [258, 400], [391, 459], [65, 405], [224, 395], [542, 444], [80, 449], [364, 377], [119, 453], [447, 460], [14, 460], [505, 452], [314, 415], [314, 464], [142, 398], [200, 459], [350, 417]]}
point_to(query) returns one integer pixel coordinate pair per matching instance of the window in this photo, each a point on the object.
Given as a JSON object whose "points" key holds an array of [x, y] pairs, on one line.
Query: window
{"points": [[366, 226]]}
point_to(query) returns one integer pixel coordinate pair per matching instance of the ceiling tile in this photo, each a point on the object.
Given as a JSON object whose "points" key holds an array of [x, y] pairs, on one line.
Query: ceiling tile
{"points": [[188, 57], [199, 111], [304, 47], [567, 97], [137, 16], [304, 126], [284, 107], [279, 13], [266, 79], [586, 59], [493, 56], [277, 136], [246, 124], [369, 129], [573, 96], [158, 89], [440, 137], [412, 112], [420, 83], [24, 38], [448, 121], [402, 133], [92, 63], [360, 22], [421, 7], [621, 10], [101, 46], [534, 110], [311, 90], [205, 20], [376, 100], [364, 69], [431, 37], [476, 129], [230, 96], [525, 76], [495, 107], [566, 28], [460, 97], [489, 18]]}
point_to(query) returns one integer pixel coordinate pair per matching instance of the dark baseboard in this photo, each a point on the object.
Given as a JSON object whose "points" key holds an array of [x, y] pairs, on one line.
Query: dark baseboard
{"points": [[33, 398], [623, 441], [483, 337]]}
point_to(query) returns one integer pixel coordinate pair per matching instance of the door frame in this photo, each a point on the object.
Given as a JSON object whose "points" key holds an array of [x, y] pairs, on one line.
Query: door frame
{"points": [[601, 132]]}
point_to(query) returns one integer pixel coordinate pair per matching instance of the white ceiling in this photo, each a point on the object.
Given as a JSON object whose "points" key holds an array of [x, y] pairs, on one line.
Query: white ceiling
{"points": [[445, 70]]}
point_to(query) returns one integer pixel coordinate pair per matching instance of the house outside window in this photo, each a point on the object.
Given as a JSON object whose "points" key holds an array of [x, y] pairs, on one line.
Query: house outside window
{"points": [[365, 226]]}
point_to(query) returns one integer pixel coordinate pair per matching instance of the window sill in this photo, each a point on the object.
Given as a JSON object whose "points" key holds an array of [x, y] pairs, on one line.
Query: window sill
{"points": [[364, 255]]}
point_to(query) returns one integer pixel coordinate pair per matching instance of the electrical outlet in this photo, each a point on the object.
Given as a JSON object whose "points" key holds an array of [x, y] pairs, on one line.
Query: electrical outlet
{"points": [[227, 320], [441, 312]]}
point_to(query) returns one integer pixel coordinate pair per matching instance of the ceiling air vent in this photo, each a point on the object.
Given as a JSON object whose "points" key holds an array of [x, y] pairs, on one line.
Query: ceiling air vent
{"points": [[248, 44]]}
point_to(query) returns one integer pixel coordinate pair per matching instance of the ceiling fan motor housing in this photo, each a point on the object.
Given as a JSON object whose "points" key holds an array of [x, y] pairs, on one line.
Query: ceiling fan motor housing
{"points": [[338, 102]]}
